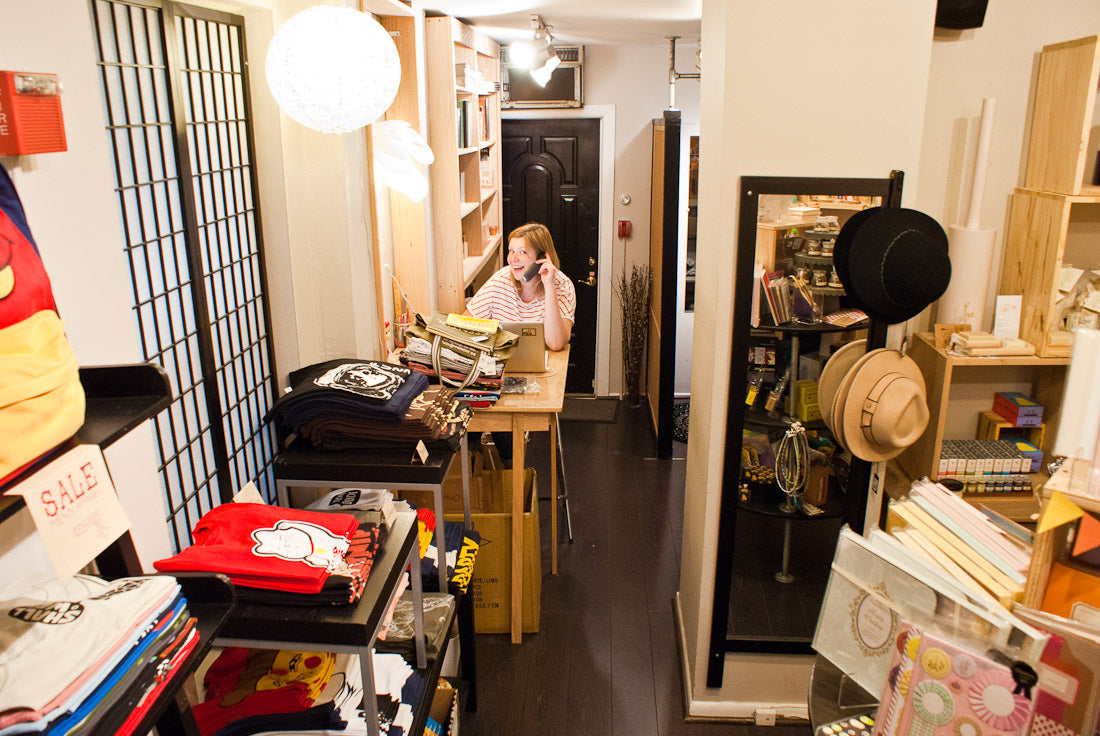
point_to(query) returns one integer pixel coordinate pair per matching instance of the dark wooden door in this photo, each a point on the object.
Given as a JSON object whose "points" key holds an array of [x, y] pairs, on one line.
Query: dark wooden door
{"points": [[551, 175]]}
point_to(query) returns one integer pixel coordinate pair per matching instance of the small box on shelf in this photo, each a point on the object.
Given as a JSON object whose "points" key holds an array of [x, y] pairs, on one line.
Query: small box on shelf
{"points": [[1017, 408], [992, 426]]}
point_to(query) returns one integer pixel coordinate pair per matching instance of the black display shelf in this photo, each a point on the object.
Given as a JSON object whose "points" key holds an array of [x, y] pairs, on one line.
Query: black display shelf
{"points": [[831, 509], [819, 328], [430, 675], [119, 398], [823, 260]]}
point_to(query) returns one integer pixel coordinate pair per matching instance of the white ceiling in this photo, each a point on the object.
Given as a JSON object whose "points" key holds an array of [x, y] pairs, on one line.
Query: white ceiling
{"points": [[584, 22]]}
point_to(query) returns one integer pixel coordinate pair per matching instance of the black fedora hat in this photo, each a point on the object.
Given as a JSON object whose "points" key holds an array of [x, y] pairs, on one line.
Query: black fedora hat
{"points": [[893, 261]]}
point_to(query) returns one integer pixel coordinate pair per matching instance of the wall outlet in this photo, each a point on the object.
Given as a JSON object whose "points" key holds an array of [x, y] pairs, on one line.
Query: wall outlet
{"points": [[765, 716]]}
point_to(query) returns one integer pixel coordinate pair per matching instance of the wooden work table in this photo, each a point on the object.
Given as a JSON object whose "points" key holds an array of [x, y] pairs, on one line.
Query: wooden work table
{"points": [[519, 413]]}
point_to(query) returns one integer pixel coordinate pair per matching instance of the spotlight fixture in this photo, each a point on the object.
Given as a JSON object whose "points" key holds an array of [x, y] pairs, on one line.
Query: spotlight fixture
{"points": [[538, 56]]}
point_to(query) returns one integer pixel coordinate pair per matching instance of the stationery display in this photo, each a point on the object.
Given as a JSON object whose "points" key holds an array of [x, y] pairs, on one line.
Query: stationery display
{"points": [[879, 582], [936, 684]]}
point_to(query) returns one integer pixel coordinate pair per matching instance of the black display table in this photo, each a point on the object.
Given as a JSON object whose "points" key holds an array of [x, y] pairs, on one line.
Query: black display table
{"points": [[303, 465], [348, 629]]}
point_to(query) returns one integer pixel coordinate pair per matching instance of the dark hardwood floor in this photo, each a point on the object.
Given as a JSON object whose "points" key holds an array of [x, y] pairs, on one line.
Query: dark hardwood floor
{"points": [[605, 660]]}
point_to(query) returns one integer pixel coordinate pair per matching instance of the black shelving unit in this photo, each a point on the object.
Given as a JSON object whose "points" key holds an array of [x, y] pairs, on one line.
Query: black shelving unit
{"points": [[351, 629], [117, 399]]}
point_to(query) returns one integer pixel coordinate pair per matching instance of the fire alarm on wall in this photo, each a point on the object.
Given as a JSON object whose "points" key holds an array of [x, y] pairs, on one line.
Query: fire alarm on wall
{"points": [[624, 228], [30, 114]]}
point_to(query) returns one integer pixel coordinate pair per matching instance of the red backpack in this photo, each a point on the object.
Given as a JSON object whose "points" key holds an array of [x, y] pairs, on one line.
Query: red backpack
{"points": [[41, 399]]}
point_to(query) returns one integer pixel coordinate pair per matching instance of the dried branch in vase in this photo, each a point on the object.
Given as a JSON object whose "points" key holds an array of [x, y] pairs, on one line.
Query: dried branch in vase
{"points": [[634, 293]]}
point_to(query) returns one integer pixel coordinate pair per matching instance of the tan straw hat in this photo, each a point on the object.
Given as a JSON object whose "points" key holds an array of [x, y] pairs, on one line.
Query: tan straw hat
{"points": [[881, 405], [832, 374]]}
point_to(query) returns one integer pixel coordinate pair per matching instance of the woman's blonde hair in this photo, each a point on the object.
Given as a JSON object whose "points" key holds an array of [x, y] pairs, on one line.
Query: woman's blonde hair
{"points": [[538, 237]]}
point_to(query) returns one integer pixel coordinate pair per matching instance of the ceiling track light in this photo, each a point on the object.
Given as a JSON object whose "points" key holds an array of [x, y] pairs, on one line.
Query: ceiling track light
{"points": [[537, 56]]}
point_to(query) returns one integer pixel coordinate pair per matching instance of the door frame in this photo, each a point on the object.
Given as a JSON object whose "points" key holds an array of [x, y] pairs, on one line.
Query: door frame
{"points": [[606, 115]]}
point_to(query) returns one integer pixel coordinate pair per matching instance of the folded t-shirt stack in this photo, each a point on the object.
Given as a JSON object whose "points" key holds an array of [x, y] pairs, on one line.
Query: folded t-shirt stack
{"points": [[436, 417], [361, 404], [275, 551], [109, 646], [460, 552]]}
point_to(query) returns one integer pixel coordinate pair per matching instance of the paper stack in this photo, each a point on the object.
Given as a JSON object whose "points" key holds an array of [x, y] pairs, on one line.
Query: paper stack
{"points": [[878, 584], [962, 541], [983, 344]]}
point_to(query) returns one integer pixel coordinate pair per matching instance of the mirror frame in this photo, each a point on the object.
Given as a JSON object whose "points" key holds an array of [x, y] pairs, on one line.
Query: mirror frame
{"points": [[752, 187]]}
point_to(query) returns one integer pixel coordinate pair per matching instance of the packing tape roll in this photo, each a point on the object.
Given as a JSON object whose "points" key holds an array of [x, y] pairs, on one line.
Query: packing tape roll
{"points": [[971, 253]]}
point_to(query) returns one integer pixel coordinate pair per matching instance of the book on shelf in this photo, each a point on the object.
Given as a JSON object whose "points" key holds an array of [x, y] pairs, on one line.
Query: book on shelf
{"points": [[463, 126], [483, 119], [778, 296]]}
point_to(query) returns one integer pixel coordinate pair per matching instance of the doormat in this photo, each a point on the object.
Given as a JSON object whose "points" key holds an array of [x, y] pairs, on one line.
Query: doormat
{"points": [[604, 411], [680, 414]]}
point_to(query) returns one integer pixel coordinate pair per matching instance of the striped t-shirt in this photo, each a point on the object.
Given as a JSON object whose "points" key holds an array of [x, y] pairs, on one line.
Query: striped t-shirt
{"points": [[499, 299]]}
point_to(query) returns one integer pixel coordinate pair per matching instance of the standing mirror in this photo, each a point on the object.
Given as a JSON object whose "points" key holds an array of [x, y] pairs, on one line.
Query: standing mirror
{"points": [[790, 313]]}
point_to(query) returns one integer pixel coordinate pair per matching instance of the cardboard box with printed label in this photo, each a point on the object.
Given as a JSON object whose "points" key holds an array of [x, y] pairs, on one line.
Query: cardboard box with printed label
{"points": [[491, 585]]}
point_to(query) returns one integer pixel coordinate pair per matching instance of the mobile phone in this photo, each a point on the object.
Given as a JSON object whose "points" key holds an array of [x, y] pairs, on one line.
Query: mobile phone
{"points": [[532, 272]]}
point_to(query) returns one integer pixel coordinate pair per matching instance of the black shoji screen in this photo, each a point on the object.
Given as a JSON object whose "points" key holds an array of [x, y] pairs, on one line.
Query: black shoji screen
{"points": [[176, 97]]}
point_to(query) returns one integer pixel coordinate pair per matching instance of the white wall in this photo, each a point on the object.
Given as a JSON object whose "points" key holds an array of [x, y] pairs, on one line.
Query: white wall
{"points": [[876, 56], [635, 80], [998, 60], [313, 212], [74, 216]]}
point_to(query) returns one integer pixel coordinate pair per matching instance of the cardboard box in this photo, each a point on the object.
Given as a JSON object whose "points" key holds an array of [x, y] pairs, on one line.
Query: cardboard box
{"points": [[492, 580]]}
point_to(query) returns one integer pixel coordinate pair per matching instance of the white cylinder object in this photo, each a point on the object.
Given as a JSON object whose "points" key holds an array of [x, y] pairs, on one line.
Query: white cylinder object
{"points": [[971, 253], [1079, 422], [981, 163]]}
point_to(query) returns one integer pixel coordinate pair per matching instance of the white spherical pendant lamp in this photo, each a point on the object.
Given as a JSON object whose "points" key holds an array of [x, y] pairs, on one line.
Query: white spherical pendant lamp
{"points": [[333, 69]]}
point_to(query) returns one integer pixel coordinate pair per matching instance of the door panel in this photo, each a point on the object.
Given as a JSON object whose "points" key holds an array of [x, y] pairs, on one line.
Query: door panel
{"points": [[550, 175]]}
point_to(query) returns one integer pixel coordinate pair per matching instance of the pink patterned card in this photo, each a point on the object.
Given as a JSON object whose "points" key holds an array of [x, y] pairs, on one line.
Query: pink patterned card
{"points": [[936, 688]]}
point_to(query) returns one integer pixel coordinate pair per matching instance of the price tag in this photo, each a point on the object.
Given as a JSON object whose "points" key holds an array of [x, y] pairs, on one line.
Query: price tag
{"points": [[73, 504], [249, 494], [421, 452]]}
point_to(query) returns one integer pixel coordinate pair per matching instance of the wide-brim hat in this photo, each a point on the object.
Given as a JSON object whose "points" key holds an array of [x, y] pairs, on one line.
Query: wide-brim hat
{"points": [[882, 405], [833, 373], [893, 261]]}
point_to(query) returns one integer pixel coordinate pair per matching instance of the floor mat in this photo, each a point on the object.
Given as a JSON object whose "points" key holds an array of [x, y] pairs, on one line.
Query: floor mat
{"points": [[680, 414], [590, 410]]}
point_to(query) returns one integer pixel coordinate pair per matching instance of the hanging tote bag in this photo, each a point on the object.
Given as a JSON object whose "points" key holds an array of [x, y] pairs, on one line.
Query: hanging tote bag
{"points": [[469, 345], [41, 399]]}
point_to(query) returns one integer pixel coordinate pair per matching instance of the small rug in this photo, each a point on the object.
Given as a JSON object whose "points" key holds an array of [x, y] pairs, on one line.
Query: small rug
{"points": [[603, 411], [680, 413]]}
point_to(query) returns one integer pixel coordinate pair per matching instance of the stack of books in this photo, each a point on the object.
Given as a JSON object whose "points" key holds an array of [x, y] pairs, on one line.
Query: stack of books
{"points": [[985, 466], [778, 296]]}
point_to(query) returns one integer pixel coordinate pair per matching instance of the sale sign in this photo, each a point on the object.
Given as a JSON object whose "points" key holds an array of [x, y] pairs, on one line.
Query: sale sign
{"points": [[74, 507]]}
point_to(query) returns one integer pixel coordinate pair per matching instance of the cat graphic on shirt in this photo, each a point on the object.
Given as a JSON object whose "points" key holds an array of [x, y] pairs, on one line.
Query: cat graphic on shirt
{"points": [[300, 541]]}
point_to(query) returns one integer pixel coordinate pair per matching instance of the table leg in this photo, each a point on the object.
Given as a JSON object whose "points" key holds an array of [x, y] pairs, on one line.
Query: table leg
{"points": [[518, 465], [440, 540], [553, 499], [464, 457], [783, 576], [418, 606], [370, 700]]}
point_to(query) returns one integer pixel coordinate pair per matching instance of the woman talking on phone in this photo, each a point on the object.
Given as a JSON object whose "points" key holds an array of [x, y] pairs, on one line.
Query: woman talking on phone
{"points": [[530, 288]]}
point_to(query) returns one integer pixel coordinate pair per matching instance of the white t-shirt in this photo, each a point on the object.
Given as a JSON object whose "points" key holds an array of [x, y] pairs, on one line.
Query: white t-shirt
{"points": [[499, 299]]}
